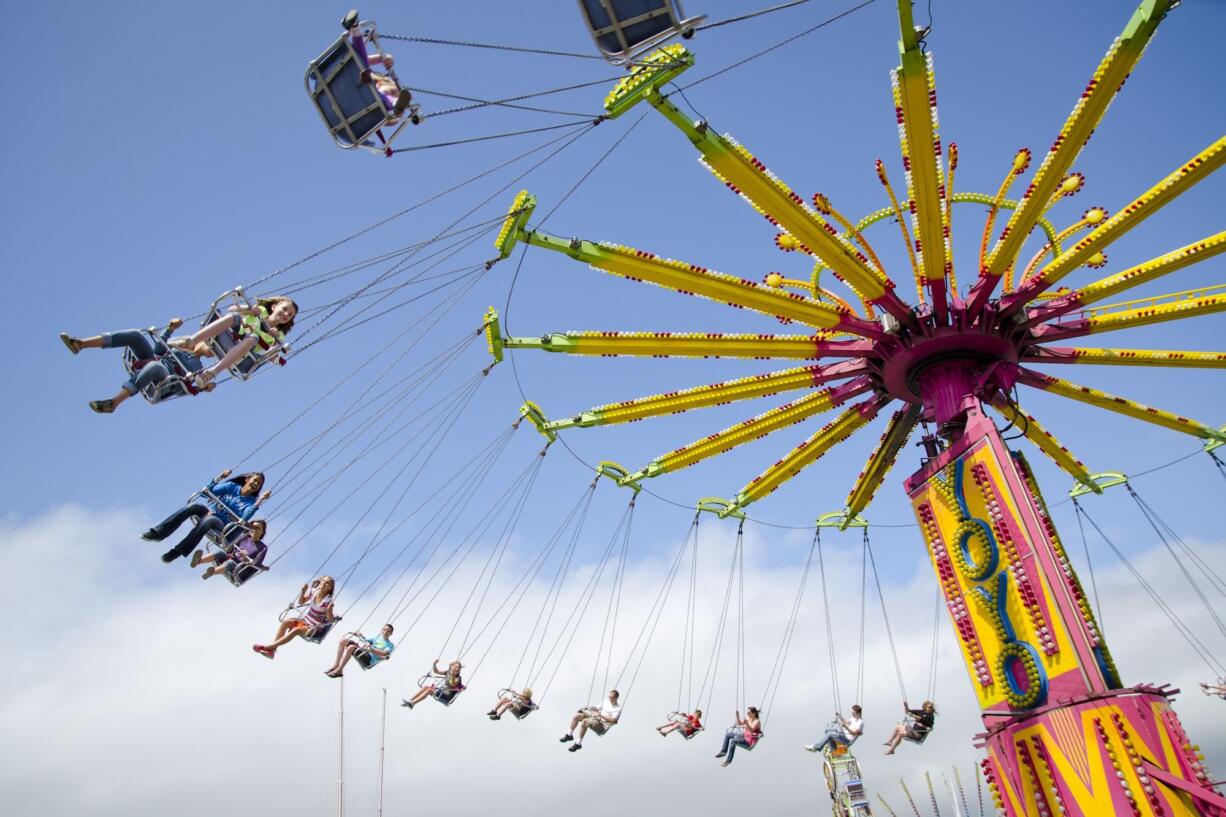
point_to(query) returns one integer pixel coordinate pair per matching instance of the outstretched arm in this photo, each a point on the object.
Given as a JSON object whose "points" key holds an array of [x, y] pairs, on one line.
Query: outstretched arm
{"points": [[171, 325]]}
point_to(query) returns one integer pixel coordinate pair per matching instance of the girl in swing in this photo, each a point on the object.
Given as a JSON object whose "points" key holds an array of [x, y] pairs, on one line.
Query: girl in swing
{"points": [[915, 727], [319, 613]]}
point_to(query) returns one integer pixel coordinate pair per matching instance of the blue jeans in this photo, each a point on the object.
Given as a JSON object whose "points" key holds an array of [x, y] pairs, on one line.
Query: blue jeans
{"points": [[206, 522], [733, 738], [833, 736], [145, 346]]}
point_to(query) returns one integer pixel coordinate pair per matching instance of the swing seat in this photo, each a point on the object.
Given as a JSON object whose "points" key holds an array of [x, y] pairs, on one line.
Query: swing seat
{"points": [[520, 708], [624, 29], [353, 111], [917, 739], [685, 728], [245, 367], [445, 696], [362, 654], [240, 568], [177, 385], [316, 635]]}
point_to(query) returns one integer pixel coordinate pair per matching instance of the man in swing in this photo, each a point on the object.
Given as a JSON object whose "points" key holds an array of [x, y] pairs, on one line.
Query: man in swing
{"points": [[843, 731], [597, 720]]}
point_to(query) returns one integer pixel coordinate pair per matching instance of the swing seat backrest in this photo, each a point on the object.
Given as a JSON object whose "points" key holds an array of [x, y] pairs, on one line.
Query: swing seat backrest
{"points": [[624, 29], [522, 710], [244, 368], [168, 389], [447, 696], [352, 110], [689, 732], [316, 635], [444, 695], [243, 571]]}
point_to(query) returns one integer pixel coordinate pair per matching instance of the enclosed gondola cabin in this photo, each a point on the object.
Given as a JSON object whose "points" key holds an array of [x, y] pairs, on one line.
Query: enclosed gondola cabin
{"points": [[625, 29]]}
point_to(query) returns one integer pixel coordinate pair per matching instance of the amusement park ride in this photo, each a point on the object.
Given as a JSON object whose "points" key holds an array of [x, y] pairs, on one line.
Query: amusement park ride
{"points": [[1063, 733]]}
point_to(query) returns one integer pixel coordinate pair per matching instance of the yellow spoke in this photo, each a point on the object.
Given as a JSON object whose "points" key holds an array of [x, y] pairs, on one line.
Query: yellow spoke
{"points": [[714, 394], [1127, 357], [809, 451], [753, 428], [1045, 442], [1120, 405], [1119, 61], [896, 434], [695, 344]]}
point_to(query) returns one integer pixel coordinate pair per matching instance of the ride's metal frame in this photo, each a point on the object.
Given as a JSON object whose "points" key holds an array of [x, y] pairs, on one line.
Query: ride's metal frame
{"points": [[1063, 733]]}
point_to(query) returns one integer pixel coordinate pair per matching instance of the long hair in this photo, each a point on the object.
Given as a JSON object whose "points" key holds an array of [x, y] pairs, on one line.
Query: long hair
{"points": [[241, 479], [321, 583], [269, 303]]}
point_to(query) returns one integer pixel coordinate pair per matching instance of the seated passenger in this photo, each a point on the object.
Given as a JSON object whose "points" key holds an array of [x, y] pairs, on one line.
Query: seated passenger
{"points": [[687, 723], [266, 323], [444, 690], [842, 731], [1218, 689], [157, 359], [243, 560], [746, 732], [367, 651], [319, 613], [520, 704], [396, 99], [233, 499], [916, 725], [598, 720]]}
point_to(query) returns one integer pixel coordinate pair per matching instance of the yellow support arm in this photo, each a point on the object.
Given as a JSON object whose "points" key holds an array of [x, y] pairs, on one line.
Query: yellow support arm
{"points": [[881, 461], [1178, 306], [1173, 307], [1122, 281], [915, 105], [694, 344], [1045, 442], [1199, 167], [691, 279], [809, 451], [1127, 357], [746, 175], [1121, 57], [714, 394], [1120, 405], [753, 428]]}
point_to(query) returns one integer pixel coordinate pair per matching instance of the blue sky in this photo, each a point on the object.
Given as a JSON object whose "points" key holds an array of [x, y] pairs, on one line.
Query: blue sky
{"points": [[164, 154], [178, 156]]}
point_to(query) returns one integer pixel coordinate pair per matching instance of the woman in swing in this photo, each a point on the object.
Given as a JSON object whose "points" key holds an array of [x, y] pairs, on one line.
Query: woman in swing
{"points": [[444, 686], [317, 598], [690, 724], [158, 359], [226, 500], [266, 323], [915, 727], [746, 733]]}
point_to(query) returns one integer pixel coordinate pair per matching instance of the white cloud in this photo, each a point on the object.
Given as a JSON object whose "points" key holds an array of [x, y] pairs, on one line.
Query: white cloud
{"points": [[131, 689]]}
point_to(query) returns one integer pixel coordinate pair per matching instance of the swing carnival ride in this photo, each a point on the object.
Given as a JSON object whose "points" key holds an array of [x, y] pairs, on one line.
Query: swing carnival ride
{"points": [[1063, 733]]}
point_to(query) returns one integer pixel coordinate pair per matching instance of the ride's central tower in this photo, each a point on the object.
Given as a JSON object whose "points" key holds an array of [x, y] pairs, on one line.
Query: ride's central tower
{"points": [[1064, 735]]}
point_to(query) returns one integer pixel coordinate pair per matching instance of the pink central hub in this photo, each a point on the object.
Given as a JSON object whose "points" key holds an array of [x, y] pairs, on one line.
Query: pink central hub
{"points": [[943, 368]]}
